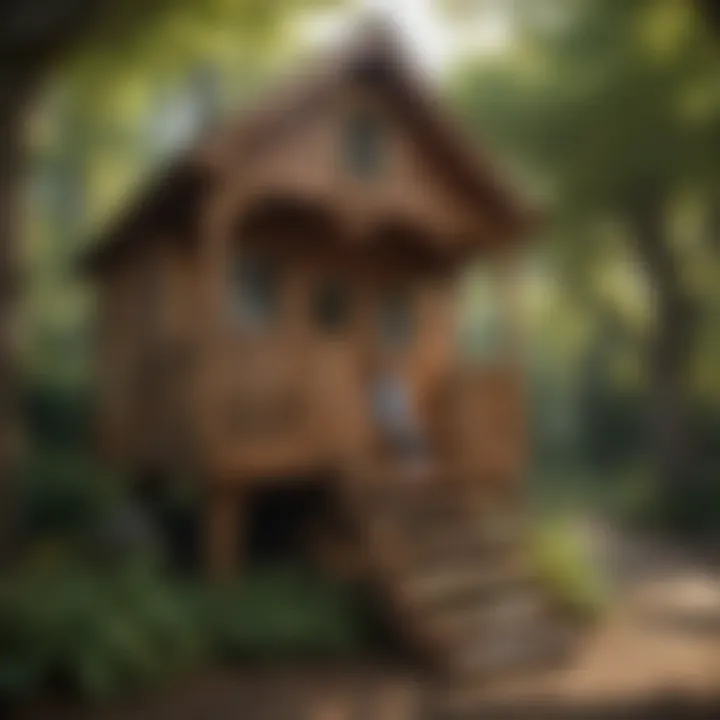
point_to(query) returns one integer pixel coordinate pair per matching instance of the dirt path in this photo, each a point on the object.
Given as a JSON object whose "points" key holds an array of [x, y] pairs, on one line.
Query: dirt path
{"points": [[657, 649]]}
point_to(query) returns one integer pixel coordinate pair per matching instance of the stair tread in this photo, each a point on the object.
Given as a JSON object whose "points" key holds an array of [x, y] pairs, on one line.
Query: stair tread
{"points": [[528, 646], [458, 536], [446, 582], [492, 528], [477, 620], [455, 568]]}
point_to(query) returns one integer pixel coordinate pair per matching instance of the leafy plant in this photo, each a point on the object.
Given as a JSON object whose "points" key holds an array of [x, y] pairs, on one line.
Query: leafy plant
{"points": [[281, 611], [564, 565], [89, 633], [92, 633]]}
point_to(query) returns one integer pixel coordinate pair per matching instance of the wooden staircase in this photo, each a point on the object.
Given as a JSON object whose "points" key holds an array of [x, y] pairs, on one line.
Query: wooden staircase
{"points": [[454, 572]]}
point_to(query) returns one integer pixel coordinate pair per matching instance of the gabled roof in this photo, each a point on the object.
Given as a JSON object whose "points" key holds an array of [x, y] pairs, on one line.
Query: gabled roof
{"points": [[373, 54]]}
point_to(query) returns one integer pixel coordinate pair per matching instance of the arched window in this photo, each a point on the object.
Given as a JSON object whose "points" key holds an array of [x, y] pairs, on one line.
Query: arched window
{"points": [[364, 151], [331, 307], [256, 291], [397, 319]]}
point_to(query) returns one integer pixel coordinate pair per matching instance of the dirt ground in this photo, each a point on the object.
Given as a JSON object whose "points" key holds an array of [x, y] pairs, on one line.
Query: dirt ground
{"points": [[656, 654], [657, 649]]}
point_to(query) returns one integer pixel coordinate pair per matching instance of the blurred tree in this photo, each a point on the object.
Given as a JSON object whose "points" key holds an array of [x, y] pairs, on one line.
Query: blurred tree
{"points": [[711, 10], [613, 107], [104, 37]]}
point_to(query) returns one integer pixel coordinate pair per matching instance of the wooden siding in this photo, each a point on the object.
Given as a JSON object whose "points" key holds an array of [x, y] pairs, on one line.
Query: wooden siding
{"points": [[482, 428], [147, 343], [185, 383], [294, 397]]}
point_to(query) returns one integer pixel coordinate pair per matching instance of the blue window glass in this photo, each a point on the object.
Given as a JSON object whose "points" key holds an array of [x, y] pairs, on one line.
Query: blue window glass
{"points": [[256, 291], [397, 320], [364, 146]]}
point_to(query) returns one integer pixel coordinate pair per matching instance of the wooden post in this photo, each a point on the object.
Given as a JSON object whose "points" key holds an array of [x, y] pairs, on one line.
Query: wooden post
{"points": [[223, 525], [508, 276]]}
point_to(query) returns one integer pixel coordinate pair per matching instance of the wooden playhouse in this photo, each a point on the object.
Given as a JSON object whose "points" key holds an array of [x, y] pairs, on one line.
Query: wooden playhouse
{"points": [[248, 295]]}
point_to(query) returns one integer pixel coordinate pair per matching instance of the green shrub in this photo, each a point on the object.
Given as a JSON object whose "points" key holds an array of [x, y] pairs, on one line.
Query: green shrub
{"points": [[63, 493], [281, 611], [564, 565], [57, 414], [92, 633]]}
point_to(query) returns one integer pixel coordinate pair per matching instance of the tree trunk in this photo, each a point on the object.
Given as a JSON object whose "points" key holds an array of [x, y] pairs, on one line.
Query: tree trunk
{"points": [[670, 351], [34, 36], [14, 95], [713, 222]]}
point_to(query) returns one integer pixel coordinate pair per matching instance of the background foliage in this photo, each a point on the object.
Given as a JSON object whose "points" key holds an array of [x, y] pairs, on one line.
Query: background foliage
{"points": [[608, 110]]}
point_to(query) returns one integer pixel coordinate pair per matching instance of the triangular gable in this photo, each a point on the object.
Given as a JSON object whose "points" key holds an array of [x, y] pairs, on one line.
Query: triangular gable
{"points": [[376, 52], [375, 55]]}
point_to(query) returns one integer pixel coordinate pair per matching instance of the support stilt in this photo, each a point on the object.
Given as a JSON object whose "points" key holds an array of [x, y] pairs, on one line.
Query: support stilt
{"points": [[223, 524]]}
